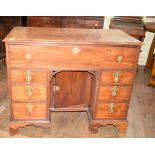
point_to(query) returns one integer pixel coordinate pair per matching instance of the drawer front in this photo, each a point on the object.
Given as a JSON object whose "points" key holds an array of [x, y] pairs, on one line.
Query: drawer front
{"points": [[114, 93], [28, 76], [29, 92], [29, 111], [70, 56], [117, 77], [111, 110]]}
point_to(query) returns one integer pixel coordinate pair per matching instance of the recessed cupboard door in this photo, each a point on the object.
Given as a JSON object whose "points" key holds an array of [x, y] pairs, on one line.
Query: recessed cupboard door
{"points": [[72, 89]]}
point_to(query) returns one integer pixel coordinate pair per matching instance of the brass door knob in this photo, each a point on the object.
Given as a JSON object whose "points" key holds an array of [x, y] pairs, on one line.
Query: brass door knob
{"points": [[29, 108], [120, 59], [116, 76], [28, 75], [111, 108], [96, 25], [57, 88], [28, 57], [114, 91], [29, 90], [76, 50]]}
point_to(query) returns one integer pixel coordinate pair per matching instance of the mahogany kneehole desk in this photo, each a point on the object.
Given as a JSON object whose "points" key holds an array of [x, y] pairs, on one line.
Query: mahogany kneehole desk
{"points": [[64, 69]]}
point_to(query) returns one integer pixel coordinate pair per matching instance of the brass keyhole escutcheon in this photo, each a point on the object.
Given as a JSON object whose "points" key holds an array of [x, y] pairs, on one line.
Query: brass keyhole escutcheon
{"points": [[116, 77], [76, 50], [120, 59], [111, 108], [28, 75], [29, 108], [28, 57], [114, 91], [29, 91]]}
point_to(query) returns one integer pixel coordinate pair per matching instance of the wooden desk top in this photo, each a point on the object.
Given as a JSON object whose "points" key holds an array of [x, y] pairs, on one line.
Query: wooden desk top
{"points": [[69, 35]]}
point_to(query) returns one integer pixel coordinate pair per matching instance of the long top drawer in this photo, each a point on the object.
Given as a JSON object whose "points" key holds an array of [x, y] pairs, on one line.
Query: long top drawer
{"points": [[70, 56]]}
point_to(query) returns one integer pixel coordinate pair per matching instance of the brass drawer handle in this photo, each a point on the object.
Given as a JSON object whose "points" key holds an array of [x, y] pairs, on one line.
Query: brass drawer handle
{"points": [[120, 59], [29, 90], [76, 50], [29, 108], [111, 108], [116, 76], [28, 57], [114, 91], [28, 75]]}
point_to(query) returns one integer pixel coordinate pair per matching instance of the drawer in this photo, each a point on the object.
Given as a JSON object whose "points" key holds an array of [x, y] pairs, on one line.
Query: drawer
{"points": [[111, 110], [28, 76], [117, 77], [29, 111], [71, 56], [114, 93], [29, 92]]}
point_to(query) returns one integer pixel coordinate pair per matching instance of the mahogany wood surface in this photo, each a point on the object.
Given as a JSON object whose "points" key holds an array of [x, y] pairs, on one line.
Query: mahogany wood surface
{"points": [[152, 76], [90, 57], [20, 111], [72, 69], [69, 35], [20, 76], [125, 78], [19, 93], [119, 112], [133, 26], [149, 63], [93, 22], [74, 90], [105, 93]]}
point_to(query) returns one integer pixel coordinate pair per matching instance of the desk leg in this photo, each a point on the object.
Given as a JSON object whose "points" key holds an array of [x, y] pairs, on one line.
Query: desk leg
{"points": [[149, 62], [122, 126], [14, 126]]}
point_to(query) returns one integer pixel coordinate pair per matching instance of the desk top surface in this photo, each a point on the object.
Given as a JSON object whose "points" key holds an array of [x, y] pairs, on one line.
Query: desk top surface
{"points": [[69, 35]]}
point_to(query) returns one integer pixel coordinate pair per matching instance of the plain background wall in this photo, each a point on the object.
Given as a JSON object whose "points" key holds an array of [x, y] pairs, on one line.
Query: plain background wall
{"points": [[147, 40]]}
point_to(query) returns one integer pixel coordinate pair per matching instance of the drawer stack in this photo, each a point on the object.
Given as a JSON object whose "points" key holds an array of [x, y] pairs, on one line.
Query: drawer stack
{"points": [[115, 86], [28, 91]]}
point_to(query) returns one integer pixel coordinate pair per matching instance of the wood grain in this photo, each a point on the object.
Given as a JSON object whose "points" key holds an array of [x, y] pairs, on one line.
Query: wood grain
{"points": [[20, 76], [19, 93], [125, 78], [119, 112], [105, 93], [20, 112], [75, 90], [152, 76], [92, 22], [69, 35], [90, 57], [130, 25]]}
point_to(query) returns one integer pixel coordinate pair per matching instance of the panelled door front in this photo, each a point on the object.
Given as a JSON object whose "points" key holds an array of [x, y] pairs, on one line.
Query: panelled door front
{"points": [[72, 89]]}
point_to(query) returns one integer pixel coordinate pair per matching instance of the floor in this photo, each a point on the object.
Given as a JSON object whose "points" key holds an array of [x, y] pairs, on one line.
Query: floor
{"points": [[141, 115]]}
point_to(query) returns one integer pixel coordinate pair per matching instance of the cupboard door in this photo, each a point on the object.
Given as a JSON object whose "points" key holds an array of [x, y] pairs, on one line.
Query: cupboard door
{"points": [[72, 89]]}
